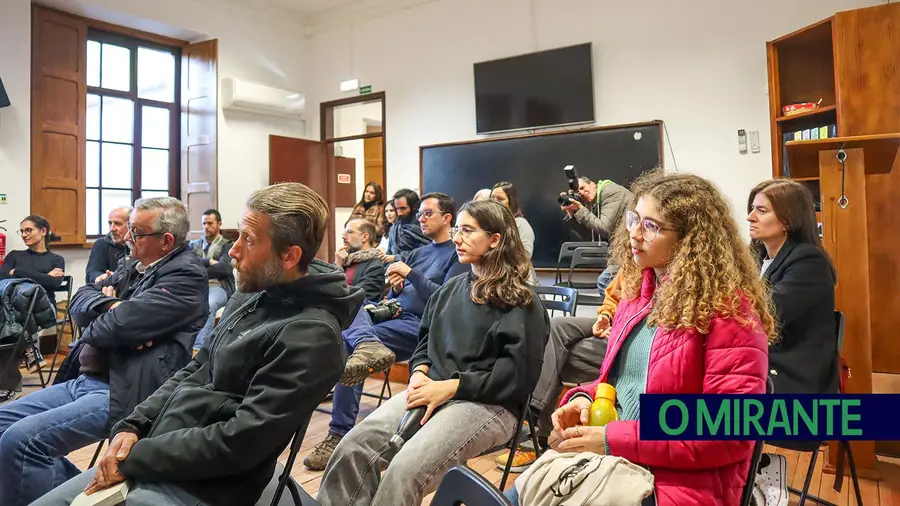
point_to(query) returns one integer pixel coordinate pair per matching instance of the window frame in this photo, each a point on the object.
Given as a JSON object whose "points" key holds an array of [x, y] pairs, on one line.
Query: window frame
{"points": [[174, 108]]}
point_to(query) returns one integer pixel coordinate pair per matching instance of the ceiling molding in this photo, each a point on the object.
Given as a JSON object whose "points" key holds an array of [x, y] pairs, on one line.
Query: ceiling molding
{"points": [[339, 17]]}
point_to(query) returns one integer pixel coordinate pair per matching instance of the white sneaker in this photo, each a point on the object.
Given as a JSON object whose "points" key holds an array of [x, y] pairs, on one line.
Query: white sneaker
{"points": [[770, 479]]}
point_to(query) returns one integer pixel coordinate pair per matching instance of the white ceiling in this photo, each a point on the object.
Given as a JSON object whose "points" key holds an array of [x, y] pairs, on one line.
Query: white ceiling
{"points": [[302, 7]]}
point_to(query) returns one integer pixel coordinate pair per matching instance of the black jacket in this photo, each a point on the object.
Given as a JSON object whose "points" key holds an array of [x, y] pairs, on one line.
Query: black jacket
{"points": [[105, 256], [495, 353], [369, 276], [15, 298], [804, 361], [35, 266], [222, 271], [167, 305], [218, 426]]}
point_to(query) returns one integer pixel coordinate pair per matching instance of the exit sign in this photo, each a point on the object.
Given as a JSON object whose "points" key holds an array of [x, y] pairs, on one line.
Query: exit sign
{"points": [[365, 89]]}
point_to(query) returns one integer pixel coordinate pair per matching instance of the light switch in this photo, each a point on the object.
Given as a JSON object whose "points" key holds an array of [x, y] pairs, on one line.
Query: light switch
{"points": [[754, 141]]}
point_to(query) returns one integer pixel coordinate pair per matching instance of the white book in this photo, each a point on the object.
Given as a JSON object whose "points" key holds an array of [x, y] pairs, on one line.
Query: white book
{"points": [[107, 497]]}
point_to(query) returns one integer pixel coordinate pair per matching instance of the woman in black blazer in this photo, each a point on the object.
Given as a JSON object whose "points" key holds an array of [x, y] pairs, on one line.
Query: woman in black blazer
{"points": [[784, 233]]}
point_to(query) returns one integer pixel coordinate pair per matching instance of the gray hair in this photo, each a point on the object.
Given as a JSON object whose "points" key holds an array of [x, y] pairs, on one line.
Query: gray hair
{"points": [[172, 216], [482, 194], [298, 216]]}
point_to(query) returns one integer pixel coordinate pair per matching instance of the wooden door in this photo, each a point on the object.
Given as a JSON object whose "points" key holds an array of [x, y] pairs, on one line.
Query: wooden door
{"points": [[373, 149], [303, 161]]}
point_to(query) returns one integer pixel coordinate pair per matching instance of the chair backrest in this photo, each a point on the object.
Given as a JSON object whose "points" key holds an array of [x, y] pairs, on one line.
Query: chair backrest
{"points": [[566, 305], [747, 495], [839, 323], [285, 479], [462, 485], [593, 257], [567, 249]]}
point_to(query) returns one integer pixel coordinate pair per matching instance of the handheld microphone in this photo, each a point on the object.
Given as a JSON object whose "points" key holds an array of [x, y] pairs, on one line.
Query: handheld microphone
{"points": [[409, 425]]}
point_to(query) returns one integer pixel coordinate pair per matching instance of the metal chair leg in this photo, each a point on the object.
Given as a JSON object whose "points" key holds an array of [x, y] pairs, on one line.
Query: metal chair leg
{"points": [[853, 475], [97, 453]]}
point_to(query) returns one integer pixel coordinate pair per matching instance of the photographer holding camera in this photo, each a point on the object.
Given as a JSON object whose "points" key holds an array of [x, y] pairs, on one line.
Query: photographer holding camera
{"points": [[596, 207], [379, 334]]}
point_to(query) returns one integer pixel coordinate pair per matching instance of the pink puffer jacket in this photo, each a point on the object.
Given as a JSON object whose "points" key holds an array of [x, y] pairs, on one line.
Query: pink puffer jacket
{"points": [[730, 359]]}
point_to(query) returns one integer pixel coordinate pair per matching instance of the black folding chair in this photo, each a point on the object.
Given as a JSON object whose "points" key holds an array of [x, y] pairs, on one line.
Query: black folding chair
{"points": [[844, 446], [569, 298], [273, 495], [566, 251], [747, 496], [67, 286], [462, 485], [385, 388], [586, 257]]}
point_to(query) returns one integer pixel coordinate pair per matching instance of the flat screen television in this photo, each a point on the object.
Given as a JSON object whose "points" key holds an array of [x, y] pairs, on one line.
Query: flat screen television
{"points": [[548, 88]]}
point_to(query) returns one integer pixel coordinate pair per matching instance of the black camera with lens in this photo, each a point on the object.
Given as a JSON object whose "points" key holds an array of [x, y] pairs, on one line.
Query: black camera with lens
{"points": [[572, 193], [388, 310]]}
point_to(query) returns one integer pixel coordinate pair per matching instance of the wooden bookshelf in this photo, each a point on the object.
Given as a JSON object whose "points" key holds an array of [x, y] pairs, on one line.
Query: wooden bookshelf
{"points": [[851, 62]]}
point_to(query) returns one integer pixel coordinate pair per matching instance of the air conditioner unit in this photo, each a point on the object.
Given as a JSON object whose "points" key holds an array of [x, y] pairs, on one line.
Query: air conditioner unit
{"points": [[261, 99]]}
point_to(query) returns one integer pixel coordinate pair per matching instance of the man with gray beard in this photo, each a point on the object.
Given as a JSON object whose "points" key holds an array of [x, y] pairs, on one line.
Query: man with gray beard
{"points": [[212, 434]]}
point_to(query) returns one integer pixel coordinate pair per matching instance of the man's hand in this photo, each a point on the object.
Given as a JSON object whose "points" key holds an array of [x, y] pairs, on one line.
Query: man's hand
{"points": [[57, 273], [584, 438], [575, 412], [388, 259], [433, 394], [107, 471], [341, 256], [399, 269], [213, 261], [601, 327], [145, 345], [12, 272], [396, 282], [103, 276], [109, 291]]}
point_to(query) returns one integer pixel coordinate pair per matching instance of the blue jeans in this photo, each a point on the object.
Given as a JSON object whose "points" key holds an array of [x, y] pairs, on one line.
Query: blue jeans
{"points": [[139, 494], [218, 297], [606, 277], [40, 429], [400, 335]]}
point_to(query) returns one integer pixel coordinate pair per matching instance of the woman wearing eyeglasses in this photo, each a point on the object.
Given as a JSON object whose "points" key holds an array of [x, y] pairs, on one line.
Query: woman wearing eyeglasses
{"points": [[478, 357], [37, 262], [694, 319], [45, 268]]}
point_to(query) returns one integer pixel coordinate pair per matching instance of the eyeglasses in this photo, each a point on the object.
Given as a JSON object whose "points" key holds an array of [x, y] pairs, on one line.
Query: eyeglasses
{"points": [[465, 231], [134, 234], [26, 231], [649, 229], [427, 214]]}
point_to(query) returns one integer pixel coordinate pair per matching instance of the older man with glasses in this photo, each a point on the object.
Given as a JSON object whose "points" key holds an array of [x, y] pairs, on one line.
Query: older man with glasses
{"points": [[373, 346], [138, 328]]}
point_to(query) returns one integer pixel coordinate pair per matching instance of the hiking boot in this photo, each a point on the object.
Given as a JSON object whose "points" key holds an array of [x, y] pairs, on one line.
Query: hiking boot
{"points": [[33, 359], [318, 459], [368, 357], [523, 458]]}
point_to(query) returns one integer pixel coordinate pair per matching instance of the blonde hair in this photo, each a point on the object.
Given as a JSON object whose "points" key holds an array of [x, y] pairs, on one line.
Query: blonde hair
{"points": [[710, 270]]}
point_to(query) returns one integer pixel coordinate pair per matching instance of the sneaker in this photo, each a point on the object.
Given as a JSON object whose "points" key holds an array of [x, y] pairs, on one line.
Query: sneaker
{"points": [[34, 361], [770, 479], [368, 357], [523, 458], [9, 396], [318, 459]]}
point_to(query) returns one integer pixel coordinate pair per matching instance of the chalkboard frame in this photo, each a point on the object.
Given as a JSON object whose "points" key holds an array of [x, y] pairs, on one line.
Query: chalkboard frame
{"points": [[569, 131]]}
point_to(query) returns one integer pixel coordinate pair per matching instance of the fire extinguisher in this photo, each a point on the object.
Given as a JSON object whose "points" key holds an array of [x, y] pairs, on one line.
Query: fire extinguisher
{"points": [[2, 242]]}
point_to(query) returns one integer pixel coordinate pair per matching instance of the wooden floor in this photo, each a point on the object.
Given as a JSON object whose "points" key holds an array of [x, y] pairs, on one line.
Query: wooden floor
{"points": [[883, 493]]}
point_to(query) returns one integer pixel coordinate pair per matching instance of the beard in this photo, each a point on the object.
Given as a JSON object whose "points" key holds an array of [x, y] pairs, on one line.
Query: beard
{"points": [[250, 280]]}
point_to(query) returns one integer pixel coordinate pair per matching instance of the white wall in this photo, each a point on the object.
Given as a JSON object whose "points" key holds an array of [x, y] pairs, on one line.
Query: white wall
{"points": [[252, 46], [699, 65], [15, 121]]}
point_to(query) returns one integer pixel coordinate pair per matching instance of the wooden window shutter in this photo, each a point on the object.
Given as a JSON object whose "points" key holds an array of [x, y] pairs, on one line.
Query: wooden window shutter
{"points": [[199, 108], [58, 96]]}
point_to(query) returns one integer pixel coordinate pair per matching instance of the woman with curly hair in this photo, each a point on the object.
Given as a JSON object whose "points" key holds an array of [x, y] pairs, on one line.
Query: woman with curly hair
{"points": [[479, 355], [694, 319]]}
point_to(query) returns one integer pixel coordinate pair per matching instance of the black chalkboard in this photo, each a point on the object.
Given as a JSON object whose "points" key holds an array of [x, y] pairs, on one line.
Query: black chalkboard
{"points": [[534, 163]]}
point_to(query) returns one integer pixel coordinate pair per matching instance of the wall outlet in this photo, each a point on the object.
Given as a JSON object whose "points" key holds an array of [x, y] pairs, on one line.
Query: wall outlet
{"points": [[754, 141], [742, 140]]}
